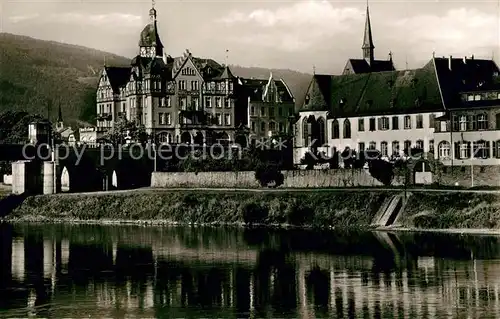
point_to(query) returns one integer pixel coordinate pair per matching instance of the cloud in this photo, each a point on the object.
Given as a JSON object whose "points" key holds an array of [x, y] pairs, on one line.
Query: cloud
{"points": [[101, 20], [292, 28], [458, 30]]}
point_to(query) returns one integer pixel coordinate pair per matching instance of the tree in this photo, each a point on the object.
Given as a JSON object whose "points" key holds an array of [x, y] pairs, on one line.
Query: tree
{"points": [[123, 129]]}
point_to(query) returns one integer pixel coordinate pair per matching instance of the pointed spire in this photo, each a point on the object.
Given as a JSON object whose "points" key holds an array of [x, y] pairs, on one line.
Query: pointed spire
{"points": [[152, 12], [368, 39]]}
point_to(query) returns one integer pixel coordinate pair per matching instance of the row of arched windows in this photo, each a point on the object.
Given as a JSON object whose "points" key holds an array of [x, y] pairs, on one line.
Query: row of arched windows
{"points": [[315, 130], [199, 138], [465, 150]]}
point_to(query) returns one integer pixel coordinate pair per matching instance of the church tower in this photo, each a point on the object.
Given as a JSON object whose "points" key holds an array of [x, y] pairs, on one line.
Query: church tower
{"points": [[368, 47]]}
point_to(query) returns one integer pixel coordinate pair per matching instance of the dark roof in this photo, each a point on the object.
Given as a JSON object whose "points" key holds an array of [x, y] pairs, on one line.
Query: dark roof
{"points": [[465, 75], [359, 66], [149, 36], [255, 89], [118, 76], [226, 74], [375, 93]]}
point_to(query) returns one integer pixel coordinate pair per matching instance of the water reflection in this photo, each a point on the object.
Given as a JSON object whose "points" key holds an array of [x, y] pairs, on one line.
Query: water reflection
{"points": [[74, 271]]}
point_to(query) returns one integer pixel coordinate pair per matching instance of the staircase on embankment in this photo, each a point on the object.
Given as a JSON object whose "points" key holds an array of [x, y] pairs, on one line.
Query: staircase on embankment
{"points": [[389, 212]]}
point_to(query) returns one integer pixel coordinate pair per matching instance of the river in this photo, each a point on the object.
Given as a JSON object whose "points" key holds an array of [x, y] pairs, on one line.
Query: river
{"points": [[62, 271]]}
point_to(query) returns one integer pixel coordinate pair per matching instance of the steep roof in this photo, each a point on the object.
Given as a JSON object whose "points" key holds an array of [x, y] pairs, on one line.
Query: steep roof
{"points": [[255, 89], [368, 39], [359, 66], [149, 36], [118, 76], [465, 75], [375, 93]]}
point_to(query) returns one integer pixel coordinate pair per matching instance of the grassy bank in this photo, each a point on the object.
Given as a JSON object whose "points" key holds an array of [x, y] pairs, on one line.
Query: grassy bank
{"points": [[452, 210], [435, 210], [322, 209]]}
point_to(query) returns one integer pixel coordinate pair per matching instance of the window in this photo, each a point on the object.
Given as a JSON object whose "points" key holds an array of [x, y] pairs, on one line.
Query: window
{"points": [[407, 122], [444, 150], [272, 126], [383, 148], [227, 119], [166, 101], [218, 118], [407, 146], [305, 132], [383, 123], [252, 126], [462, 150], [481, 149], [262, 111], [227, 103], [477, 97], [372, 124], [182, 85], [281, 127], [335, 129], [262, 126], [482, 122], [271, 112], [208, 101], [496, 149], [280, 111], [372, 146], [443, 126], [347, 128], [321, 132], [361, 125], [162, 118], [470, 97], [431, 146], [419, 145], [168, 118], [395, 123], [361, 147], [194, 85], [395, 148], [195, 102], [463, 123], [420, 121], [432, 119], [182, 103], [218, 102], [291, 111]]}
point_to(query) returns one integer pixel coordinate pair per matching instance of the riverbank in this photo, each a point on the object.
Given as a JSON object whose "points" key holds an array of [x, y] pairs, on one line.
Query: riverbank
{"points": [[325, 209]]}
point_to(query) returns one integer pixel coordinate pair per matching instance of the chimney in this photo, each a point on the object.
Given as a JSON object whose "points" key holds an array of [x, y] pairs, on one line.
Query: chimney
{"points": [[472, 57], [449, 62]]}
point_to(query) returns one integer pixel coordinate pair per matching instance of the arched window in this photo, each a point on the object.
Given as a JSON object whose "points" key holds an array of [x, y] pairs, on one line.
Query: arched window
{"points": [[335, 129], [305, 132], [347, 128], [321, 132], [481, 149], [444, 150]]}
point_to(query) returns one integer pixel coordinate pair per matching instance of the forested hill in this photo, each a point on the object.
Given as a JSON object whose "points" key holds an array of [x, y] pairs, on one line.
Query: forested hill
{"points": [[37, 75]]}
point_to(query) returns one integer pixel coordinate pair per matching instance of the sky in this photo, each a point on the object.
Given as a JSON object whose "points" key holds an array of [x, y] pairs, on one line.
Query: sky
{"points": [[293, 34]]}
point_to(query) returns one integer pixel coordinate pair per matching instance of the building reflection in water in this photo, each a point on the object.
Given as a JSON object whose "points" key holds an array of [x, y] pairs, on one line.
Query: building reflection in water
{"points": [[61, 271]]}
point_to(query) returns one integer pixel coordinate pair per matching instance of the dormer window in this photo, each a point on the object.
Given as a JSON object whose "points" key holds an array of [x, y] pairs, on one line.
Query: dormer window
{"points": [[470, 97], [308, 98], [477, 97]]}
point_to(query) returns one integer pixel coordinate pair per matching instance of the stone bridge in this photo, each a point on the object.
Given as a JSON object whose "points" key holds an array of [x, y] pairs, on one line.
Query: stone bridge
{"points": [[43, 169]]}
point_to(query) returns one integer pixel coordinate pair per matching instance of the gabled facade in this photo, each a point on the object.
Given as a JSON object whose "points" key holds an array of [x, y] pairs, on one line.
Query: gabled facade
{"points": [[271, 107], [368, 64], [179, 100], [469, 133], [388, 111]]}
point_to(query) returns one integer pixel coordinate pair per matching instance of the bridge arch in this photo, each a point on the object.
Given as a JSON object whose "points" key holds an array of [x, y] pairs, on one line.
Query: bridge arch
{"points": [[65, 180]]}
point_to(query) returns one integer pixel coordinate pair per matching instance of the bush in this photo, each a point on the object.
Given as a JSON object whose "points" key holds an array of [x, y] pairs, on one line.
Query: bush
{"points": [[269, 174], [253, 213], [381, 170]]}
